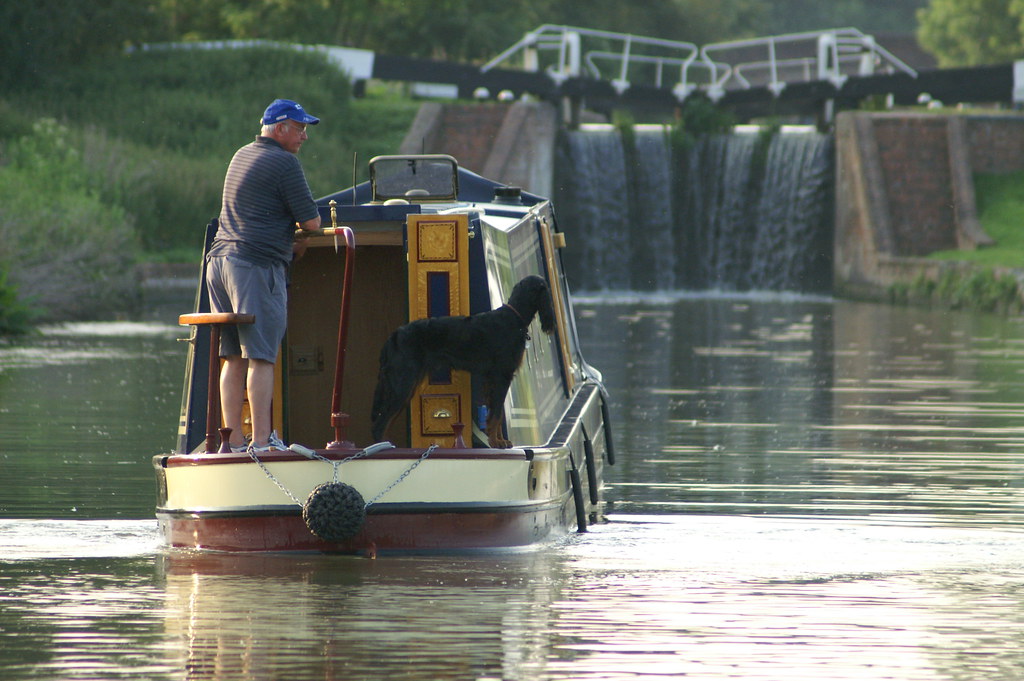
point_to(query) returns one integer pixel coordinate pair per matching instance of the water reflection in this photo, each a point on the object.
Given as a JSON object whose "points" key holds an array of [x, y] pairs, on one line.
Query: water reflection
{"points": [[661, 596], [805, 488], [814, 407], [346, 617], [82, 408]]}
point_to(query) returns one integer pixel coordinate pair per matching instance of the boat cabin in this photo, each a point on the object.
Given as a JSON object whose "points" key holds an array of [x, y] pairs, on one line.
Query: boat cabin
{"points": [[421, 238]]}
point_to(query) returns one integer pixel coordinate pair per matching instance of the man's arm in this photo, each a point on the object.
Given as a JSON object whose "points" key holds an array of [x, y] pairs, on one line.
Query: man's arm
{"points": [[310, 225]]}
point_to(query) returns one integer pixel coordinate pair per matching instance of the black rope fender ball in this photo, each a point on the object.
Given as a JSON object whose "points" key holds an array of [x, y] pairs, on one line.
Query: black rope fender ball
{"points": [[334, 511]]}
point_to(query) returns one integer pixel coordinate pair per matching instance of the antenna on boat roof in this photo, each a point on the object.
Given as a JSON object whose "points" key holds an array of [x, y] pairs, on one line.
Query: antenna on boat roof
{"points": [[355, 156]]}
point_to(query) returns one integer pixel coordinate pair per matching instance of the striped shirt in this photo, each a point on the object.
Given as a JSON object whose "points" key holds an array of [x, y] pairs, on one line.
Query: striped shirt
{"points": [[265, 194]]}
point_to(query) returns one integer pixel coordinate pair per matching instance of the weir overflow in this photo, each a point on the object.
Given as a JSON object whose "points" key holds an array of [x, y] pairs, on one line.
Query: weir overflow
{"points": [[743, 211]]}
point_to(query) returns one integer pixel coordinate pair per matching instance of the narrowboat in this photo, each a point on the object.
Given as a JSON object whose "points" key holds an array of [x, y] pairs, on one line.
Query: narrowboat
{"points": [[422, 238]]}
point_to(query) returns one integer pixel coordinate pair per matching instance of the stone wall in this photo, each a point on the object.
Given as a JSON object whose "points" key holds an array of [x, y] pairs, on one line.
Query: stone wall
{"points": [[995, 143], [915, 169], [511, 143], [904, 189]]}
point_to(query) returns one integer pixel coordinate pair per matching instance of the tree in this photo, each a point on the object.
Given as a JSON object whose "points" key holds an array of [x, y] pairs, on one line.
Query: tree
{"points": [[40, 36], [696, 21], [870, 16], [972, 32], [455, 30]]}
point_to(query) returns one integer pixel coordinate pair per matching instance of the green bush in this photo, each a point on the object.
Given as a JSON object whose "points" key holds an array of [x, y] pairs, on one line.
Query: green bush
{"points": [[170, 196], [983, 290], [15, 314], [130, 164], [68, 249], [197, 102], [974, 289], [157, 129]]}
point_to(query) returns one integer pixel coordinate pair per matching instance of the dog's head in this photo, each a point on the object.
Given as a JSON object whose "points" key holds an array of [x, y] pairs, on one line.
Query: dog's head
{"points": [[530, 296]]}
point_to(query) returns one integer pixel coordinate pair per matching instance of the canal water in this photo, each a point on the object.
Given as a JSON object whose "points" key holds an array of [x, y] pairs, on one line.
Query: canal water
{"points": [[805, 489]]}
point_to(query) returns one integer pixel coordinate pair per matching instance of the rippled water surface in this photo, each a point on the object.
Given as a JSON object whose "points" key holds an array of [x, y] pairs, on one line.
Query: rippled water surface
{"points": [[804, 489]]}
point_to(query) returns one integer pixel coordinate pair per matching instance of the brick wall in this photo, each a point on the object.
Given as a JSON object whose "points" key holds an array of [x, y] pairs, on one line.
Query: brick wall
{"points": [[469, 132], [913, 153], [904, 189], [996, 143]]}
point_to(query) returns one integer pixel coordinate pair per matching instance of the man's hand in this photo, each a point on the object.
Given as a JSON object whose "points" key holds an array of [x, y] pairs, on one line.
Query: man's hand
{"points": [[299, 245]]}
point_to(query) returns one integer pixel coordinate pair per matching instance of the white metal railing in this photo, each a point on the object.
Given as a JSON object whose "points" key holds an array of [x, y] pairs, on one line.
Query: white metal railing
{"points": [[831, 55], [835, 54], [568, 42]]}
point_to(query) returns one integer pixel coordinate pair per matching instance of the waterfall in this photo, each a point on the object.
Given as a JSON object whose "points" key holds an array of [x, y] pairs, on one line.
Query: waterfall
{"points": [[652, 257], [740, 211], [598, 199], [793, 244]]}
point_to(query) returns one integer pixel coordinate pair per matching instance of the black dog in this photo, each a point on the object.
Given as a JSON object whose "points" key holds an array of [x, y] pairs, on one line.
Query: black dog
{"points": [[488, 344]]}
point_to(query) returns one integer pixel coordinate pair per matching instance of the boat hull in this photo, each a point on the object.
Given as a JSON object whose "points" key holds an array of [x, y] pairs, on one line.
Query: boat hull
{"points": [[418, 500], [387, 530]]}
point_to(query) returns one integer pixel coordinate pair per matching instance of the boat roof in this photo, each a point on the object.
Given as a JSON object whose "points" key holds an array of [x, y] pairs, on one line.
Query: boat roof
{"points": [[473, 188]]}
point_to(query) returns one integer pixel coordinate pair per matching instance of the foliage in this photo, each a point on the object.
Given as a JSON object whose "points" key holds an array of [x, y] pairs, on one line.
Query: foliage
{"points": [[696, 21], [888, 16], [980, 289], [43, 36], [196, 102], [452, 29], [68, 247], [46, 36], [698, 116], [140, 160], [959, 287], [972, 32], [15, 314], [461, 30], [157, 129]]}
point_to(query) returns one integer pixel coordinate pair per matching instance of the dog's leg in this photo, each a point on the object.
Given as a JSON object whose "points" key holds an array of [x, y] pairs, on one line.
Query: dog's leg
{"points": [[496, 412], [495, 439]]}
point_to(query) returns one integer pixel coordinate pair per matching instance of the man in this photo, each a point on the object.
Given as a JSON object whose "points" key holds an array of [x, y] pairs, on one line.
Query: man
{"points": [[265, 196]]}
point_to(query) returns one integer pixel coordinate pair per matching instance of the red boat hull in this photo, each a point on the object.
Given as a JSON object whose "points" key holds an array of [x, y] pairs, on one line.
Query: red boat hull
{"points": [[384, 531]]}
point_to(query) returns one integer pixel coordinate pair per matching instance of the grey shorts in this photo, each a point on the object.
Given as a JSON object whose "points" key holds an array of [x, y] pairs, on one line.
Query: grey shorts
{"points": [[236, 285]]}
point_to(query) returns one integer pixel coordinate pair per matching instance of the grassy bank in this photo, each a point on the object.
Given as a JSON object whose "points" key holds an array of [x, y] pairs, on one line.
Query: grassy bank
{"points": [[982, 279], [113, 163], [1000, 202]]}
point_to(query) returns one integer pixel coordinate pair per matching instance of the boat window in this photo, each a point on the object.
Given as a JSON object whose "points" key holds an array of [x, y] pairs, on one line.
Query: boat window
{"points": [[416, 178]]}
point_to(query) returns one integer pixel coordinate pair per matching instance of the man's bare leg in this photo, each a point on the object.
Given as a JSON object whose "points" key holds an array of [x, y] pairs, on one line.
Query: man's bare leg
{"points": [[232, 394], [261, 395]]}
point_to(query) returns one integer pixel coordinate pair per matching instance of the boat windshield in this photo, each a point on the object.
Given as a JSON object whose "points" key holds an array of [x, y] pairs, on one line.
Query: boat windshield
{"points": [[416, 178]]}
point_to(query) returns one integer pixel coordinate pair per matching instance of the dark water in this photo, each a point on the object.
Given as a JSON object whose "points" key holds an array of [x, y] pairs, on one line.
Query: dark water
{"points": [[804, 489]]}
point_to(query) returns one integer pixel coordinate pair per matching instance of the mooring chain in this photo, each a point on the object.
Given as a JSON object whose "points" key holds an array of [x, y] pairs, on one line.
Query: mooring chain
{"points": [[369, 451], [270, 476], [404, 475]]}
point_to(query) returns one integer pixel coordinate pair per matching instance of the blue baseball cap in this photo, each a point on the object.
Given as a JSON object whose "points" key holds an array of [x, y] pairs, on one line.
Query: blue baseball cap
{"points": [[281, 109]]}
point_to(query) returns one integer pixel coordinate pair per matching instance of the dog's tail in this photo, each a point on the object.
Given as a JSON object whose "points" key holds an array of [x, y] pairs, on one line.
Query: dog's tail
{"points": [[399, 372], [383, 395]]}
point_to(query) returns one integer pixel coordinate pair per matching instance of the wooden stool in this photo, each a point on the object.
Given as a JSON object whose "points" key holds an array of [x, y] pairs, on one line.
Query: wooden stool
{"points": [[215, 320]]}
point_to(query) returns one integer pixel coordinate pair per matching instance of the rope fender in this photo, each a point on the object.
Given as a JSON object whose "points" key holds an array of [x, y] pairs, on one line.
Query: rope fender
{"points": [[334, 511]]}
